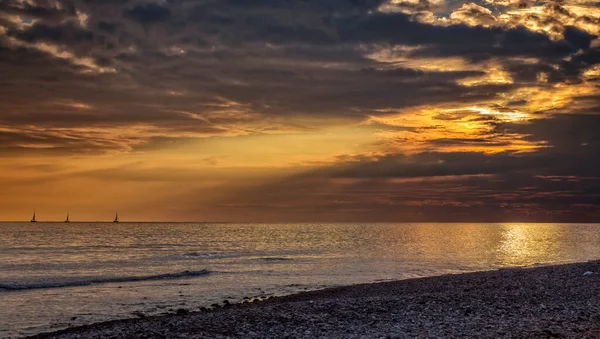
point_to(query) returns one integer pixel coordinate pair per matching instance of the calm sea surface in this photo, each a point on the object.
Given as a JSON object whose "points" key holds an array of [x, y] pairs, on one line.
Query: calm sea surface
{"points": [[55, 275]]}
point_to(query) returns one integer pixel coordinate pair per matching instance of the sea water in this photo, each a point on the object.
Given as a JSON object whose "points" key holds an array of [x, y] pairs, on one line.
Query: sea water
{"points": [[56, 275]]}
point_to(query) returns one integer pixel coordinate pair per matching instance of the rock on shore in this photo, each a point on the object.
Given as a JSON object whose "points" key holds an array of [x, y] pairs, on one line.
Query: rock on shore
{"points": [[560, 301]]}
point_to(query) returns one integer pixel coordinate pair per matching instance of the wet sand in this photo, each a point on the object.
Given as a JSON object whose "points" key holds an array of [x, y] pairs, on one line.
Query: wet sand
{"points": [[561, 301]]}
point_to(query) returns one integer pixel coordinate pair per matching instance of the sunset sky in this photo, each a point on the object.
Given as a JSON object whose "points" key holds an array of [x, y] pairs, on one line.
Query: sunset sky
{"points": [[306, 110]]}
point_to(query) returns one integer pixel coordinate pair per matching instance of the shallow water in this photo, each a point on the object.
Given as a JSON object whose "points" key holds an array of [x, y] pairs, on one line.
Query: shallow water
{"points": [[55, 275]]}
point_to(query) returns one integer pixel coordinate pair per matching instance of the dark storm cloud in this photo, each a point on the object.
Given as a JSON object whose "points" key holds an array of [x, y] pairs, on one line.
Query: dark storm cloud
{"points": [[148, 13], [467, 198], [45, 10], [576, 135], [578, 37], [284, 80], [430, 165], [435, 187], [276, 57], [315, 22], [68, 33], [107, 27], [525, 72], [478, 43], [580, 62]]}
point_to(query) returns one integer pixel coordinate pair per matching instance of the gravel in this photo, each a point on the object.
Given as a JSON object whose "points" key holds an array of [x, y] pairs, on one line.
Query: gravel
{"points": [[561, 301]]}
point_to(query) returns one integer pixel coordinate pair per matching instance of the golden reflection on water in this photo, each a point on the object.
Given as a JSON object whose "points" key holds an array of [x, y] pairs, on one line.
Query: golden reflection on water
{"points": [[525, 244], [484, 244]]}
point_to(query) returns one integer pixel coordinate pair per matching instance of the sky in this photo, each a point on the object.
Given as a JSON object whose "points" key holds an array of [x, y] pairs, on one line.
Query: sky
{"points": [[298, 111]]}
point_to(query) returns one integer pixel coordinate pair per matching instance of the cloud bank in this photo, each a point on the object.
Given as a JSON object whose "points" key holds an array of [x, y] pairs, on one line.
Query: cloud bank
{"points": [[354, 110]]}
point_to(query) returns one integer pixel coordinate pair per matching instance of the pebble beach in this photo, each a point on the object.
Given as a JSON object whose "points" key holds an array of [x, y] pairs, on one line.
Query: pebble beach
{"points": [[560, 301]]}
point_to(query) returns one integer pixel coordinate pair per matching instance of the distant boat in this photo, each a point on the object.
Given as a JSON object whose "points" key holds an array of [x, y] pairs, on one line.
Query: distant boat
{"points": [[116, 218], [33, 219], [67, 220]]}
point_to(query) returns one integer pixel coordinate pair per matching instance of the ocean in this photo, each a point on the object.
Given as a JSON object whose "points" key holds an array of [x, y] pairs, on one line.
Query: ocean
{"points": [[56, 275]]}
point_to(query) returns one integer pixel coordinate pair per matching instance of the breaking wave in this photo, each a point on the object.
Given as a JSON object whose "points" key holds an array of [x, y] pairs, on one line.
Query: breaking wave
{"points": [[276, 259], [202, 255], [99, 280]]}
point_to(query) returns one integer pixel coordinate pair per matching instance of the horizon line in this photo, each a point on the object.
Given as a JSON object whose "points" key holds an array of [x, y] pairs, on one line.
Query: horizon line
{"points": [[301, 222]]}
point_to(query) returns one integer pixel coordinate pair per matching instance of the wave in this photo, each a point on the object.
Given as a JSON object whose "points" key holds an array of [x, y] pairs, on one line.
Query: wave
{"points": [[276, 259], [202, 255], [99, 280]]}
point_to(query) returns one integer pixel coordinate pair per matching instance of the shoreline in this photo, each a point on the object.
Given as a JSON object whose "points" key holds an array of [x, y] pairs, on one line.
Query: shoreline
{"points": [[540, 301]]}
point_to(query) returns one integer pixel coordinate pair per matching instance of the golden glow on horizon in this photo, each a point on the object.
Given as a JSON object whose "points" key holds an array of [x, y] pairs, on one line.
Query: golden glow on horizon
{"points": [[131, 180]]}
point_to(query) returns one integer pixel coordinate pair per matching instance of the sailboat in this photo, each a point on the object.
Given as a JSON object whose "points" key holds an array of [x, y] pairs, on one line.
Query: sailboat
{"points": [[33, 219], [67, 220], [116, 218]]}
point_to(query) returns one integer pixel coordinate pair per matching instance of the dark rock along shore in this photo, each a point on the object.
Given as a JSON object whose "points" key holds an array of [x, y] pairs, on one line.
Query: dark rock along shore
{"points": [[543, 302]]}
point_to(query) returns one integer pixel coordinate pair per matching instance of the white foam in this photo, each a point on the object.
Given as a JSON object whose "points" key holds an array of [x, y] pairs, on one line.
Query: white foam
{"points": [[97, 280]]}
